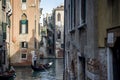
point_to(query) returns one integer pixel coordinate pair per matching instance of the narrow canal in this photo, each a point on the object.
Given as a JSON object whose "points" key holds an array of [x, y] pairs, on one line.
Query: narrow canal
{"points": [[54, 73]]}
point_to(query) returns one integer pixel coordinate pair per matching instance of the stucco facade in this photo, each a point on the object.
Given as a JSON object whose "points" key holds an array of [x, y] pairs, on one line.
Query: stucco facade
{"points": [[91, 39], [5, 13], [24, 31], [58, 18]]}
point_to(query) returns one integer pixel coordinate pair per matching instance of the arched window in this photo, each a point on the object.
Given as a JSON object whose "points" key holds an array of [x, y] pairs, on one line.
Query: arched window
{"points": [[24, 16], [23, 24], [59, 17]]}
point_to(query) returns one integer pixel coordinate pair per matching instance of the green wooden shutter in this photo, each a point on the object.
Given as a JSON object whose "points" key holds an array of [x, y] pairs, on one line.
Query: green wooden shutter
{"points": [[4, 30], [20, 28], [4, 2], [26, 26]]}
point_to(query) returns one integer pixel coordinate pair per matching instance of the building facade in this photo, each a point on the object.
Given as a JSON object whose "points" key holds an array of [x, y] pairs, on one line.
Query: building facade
{"points": [[24, 31], [5, 13], [48, 22], [58, 23], [92, 29]]}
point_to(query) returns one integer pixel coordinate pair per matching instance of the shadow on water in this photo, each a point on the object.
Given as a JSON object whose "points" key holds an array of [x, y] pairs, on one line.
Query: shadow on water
{"points": [[53, 73]]}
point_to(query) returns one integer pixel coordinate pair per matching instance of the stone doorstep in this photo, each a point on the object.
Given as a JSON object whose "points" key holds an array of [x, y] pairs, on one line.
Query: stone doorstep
{"points": [[92, 76]]}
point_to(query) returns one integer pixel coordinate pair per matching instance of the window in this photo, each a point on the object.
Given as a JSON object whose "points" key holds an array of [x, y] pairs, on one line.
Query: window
{"points": [[62, 45], [69, 17], [24, 45], [24, 25], [24, 56], [59, 34], [59, 17], [73, 11], [4, 30], [24, 1], [82, 11], [3, 3], [24, 5]]}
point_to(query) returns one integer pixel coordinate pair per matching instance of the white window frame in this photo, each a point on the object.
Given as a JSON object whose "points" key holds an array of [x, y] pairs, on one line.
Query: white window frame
{"points": [[23, 30], [24, 5]]}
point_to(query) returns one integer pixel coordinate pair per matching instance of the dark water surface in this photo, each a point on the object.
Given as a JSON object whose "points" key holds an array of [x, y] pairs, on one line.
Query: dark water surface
{"points": [[54, 73]]}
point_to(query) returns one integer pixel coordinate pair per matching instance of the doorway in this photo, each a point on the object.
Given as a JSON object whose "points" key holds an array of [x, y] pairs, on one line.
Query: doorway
{"points": [[82, 68], [116, 59]]}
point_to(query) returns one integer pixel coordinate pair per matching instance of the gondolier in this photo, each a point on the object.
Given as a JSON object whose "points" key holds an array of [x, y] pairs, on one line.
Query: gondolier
{"points": [[39, 67], [34, 58]]}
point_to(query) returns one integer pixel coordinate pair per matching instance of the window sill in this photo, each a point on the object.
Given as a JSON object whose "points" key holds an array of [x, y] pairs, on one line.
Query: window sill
{"points": [[24, 48], [24, 58], [72, 30], [23, 33], [83, 25]]}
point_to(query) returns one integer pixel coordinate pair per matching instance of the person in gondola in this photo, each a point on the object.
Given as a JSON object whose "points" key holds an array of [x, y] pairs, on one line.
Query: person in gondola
{"points": [[11, 69], [34, 58]]}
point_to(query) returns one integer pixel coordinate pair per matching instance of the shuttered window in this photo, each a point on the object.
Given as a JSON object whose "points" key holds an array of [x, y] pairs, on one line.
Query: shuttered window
{"points": [[24, 56], [24, 6], [3, 3], [23, 26], [24, 45]]}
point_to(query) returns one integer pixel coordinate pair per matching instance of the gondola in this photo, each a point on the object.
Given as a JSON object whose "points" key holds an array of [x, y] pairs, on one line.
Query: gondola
{"points": [[8, 75], [42, 67]]}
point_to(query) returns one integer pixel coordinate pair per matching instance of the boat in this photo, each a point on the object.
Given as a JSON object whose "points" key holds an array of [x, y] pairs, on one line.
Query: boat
{"points": [[42, 67], [8, 75]]}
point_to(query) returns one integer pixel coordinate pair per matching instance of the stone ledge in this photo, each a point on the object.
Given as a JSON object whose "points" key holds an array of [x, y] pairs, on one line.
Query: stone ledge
{"points": [[92, 76]]}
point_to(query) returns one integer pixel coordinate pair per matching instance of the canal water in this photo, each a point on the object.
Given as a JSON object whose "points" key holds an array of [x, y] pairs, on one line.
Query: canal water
{"points": [[54, 73]]}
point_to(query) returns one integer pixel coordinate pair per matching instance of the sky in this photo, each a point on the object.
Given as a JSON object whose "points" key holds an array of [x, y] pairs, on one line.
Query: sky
{"points": [[48, 5]]}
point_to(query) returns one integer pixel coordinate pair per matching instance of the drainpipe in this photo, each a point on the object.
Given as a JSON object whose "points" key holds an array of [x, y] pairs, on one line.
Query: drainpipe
{"points": [[64, 43]]}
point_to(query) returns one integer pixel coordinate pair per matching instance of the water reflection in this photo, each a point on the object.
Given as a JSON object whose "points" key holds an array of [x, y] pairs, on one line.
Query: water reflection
{"points": [[54, 73]]}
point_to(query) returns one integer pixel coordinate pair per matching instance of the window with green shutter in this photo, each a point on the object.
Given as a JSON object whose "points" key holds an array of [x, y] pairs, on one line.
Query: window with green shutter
{"points": [[23, 0], [3, 3], [24, 5], [24, 24], [4, 30]]}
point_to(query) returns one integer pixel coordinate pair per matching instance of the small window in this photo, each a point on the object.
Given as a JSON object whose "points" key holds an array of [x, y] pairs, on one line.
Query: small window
{"points": [[24, 45], [24, 56], [3, 3], [59, 17], [82, 11], [72, 14], [59, 34], [62, 45], [23, 1], [24, 6]]}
